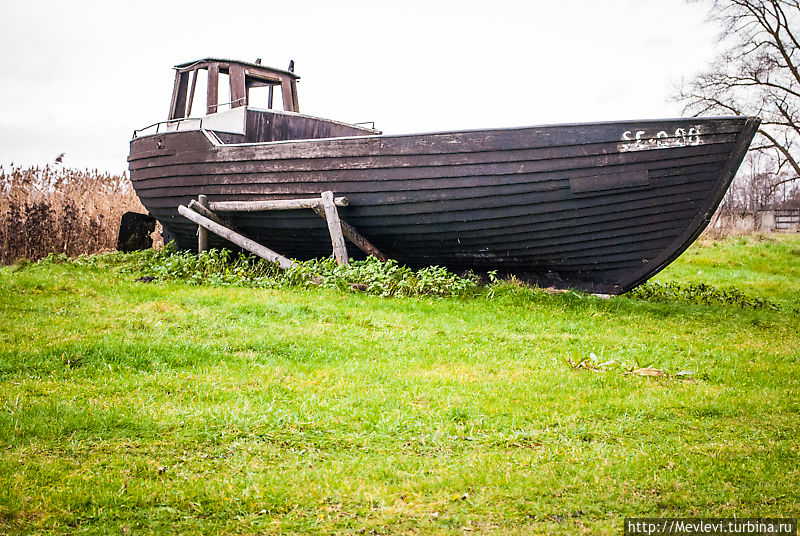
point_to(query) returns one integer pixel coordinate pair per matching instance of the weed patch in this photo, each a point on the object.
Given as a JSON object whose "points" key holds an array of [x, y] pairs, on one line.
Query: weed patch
{"points": [[698, 294], [223, 268]]}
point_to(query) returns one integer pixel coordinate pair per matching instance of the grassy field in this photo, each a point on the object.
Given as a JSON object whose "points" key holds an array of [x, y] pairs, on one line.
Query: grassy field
{"points": [[166, 407]]}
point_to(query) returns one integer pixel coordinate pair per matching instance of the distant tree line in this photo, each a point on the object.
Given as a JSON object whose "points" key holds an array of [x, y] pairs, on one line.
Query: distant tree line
{"points": [[757, 73]]}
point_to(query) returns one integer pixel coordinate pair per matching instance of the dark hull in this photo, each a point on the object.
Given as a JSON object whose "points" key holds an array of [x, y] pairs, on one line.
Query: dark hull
{"points": [[570, 206]]}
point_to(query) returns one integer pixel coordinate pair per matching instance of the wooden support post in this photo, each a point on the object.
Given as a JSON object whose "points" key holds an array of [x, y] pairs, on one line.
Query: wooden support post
{"points": [[286, 93], [202, 233], [203, 211], [238, 239], [335, 228], [352, 234]]}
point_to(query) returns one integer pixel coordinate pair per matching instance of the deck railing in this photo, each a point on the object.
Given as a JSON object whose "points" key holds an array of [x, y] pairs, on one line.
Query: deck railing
{"points": [[174, 125], [221, 120]]}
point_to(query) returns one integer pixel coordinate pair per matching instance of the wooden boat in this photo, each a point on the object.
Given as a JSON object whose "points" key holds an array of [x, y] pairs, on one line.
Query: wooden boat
{"points": [[600, 207]]}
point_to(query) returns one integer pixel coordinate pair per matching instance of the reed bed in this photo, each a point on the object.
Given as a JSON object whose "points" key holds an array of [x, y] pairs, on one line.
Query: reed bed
{"points": [[53, 209]]}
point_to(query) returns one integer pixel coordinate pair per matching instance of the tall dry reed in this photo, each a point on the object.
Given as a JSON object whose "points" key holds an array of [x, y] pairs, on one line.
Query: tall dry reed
{"points": [[53, 209]]}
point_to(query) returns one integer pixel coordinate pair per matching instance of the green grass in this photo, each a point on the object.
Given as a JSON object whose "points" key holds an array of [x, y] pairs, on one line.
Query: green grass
{"points": [[168, 407]]}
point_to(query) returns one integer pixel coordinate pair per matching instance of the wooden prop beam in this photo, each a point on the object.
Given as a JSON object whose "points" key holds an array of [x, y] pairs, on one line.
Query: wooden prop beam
{"points": [[203, 211], [334, 228], [275, 204], [202, 232], [240, 240], [352, 234], [337, 228]]}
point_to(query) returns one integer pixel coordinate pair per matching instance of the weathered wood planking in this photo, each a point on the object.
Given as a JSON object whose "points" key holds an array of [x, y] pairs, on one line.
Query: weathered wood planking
{"points": [[597, 206]]}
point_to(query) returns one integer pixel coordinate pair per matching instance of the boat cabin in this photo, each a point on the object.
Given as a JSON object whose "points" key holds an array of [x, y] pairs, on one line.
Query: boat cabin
{"points": [[235, 81], [244, 103]]}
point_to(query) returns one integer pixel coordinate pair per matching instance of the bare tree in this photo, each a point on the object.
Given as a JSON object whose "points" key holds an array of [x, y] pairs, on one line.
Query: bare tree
{"points": [[756, 74]]}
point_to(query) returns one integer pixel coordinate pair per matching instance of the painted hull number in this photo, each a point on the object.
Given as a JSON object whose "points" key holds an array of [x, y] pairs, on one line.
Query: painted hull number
{"points": [[642, 140]]}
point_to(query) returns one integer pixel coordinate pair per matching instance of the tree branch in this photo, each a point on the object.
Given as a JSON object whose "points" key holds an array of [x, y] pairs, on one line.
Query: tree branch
{"points": [[782, 149]]}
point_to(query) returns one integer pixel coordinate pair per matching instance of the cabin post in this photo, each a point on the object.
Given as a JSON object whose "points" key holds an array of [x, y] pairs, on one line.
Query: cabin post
{"points": [[212, 89], [191, 94], [288, 99], [335, 228], [202, 233], [238, 91], [294, 96], [177, 108]]}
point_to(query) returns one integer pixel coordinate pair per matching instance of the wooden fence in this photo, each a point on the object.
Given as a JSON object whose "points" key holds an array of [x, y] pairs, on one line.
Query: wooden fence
{"points": [[787, 220]]}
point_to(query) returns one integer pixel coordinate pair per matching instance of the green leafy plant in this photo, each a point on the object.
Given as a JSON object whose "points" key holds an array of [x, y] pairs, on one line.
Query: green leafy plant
{"points": [[221, 267], [698, 294]]}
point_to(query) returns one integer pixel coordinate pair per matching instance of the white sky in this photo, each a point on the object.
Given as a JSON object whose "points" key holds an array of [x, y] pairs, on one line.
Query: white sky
{"points": [[79, 76]]}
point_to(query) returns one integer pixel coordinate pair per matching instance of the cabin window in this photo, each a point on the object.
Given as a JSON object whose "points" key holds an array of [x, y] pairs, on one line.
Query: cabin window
{"points": [[224, 92], [206, 89], [265, 97], [196, 105]]}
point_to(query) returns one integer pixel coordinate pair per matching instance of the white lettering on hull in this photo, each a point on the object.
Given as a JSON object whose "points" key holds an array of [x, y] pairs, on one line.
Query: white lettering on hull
{"points": [[642, 140]]}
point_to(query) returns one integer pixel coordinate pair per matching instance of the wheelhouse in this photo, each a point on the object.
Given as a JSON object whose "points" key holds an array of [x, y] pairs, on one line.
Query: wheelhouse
{"points": [[231, 84], [244, 103]]}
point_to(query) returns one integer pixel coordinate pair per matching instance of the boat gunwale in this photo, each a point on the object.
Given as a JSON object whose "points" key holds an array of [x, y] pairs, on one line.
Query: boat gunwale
{"points": [[218, 143]]}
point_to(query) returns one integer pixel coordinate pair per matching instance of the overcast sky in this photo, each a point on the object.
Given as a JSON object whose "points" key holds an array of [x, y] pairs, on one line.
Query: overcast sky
{"points": [[79, 76]]}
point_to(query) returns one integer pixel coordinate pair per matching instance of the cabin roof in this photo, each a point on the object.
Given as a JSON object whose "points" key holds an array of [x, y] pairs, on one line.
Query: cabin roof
{"points": [[198, 63]]}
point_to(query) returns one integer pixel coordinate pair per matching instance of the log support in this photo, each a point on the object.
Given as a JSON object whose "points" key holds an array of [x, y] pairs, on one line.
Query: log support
{"points": [[352, 234], [204, 211], [202, 232], [204, 214], [240, 240], [274, 204], [334, 228]]}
